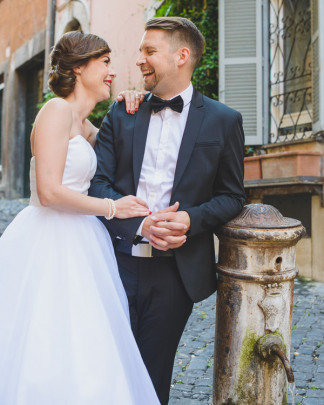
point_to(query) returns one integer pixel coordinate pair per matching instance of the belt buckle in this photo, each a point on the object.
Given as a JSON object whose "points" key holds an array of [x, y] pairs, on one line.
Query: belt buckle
{"points": [[142, 250]]}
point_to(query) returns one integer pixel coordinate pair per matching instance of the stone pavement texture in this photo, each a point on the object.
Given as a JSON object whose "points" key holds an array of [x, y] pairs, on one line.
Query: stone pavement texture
{"points": [[193, 368]]}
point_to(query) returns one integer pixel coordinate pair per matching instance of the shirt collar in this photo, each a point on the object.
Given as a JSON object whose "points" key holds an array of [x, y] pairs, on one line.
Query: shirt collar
{"points": [[186, 95]]}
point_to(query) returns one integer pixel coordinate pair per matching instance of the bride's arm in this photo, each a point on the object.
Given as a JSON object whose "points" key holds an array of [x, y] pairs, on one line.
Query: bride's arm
{"points": [[52, 129]]}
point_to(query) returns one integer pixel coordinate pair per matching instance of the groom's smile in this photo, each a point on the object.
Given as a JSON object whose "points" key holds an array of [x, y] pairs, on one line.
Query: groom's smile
{"points": [[147, 72]]}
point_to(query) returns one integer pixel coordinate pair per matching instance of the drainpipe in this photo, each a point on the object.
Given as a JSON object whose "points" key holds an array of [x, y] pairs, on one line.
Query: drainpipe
{"points": [[49, 40]]}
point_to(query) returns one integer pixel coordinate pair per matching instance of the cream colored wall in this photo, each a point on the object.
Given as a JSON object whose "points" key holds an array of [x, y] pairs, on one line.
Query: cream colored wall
{"points": [[310, 251], [304, 257], [317, 239]]}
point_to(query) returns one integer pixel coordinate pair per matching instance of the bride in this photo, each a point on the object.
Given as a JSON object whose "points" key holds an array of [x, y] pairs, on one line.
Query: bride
{"points": [[65, 334]]}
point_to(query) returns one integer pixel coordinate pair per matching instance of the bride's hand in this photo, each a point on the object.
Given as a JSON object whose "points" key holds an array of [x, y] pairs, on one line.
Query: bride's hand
{"points": [[131, 206], [132, 99]]}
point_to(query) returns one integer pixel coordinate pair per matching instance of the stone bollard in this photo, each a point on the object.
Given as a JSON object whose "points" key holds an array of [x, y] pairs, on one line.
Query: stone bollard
{"points": [[256, 272]]}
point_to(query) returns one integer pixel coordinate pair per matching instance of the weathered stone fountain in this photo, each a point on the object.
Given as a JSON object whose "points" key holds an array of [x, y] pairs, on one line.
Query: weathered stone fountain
{"points": [[256, 272]]}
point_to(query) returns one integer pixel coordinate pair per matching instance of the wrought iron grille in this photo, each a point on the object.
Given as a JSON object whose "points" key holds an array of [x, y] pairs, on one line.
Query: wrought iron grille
{"points": [[290, 70]]}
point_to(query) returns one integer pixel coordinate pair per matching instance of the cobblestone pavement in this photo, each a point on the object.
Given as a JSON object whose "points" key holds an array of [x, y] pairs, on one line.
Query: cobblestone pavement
{"points": [[8, 210], [193, 369]]}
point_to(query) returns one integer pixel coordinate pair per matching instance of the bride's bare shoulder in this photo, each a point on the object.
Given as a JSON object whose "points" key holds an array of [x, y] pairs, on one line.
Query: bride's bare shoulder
{"points": [[55, 115], [56, 105]]}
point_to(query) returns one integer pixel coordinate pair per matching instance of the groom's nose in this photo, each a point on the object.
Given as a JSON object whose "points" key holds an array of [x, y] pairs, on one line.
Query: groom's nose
{"points": [[140, 60]]}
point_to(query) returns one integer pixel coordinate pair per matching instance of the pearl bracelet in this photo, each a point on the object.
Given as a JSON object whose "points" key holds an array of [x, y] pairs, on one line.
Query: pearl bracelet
{"points": [[111, 209]]}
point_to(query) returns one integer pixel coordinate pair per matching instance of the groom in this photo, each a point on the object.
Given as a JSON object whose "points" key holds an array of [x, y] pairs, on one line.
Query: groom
{"points": [[188, 149]]}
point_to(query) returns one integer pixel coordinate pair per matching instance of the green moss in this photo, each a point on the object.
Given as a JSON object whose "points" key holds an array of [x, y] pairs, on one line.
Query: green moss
{"points": [[246, 365]]}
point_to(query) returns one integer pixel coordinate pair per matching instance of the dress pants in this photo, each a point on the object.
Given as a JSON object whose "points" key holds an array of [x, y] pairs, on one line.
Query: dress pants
{"points": [[159, 310]]}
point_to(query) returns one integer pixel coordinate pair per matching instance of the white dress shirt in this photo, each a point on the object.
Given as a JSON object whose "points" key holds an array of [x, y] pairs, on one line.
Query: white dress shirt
{"points": [[163, 142]]}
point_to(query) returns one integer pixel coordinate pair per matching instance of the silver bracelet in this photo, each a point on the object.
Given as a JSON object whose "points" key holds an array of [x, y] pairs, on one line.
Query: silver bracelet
{"points": [[111, 209]]}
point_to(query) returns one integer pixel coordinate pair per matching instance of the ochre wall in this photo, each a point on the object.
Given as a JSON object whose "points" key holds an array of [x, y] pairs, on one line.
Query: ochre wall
{"points": [[20, 20]]}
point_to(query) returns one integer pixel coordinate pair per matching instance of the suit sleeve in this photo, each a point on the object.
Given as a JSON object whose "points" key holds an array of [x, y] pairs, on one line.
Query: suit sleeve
{"points": [[228, 188], [102, 185]]}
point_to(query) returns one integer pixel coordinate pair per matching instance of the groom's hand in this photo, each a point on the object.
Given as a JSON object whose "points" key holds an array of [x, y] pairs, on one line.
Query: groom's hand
{"points": [[167, 236], [170, 226]]}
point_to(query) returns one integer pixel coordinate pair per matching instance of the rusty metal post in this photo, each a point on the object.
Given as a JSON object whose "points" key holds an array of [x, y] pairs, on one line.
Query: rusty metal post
{"points": [[256, 272]]}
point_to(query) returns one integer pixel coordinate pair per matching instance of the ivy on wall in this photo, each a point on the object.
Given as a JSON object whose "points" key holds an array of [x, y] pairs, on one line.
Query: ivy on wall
{"points": [[203, 13]]}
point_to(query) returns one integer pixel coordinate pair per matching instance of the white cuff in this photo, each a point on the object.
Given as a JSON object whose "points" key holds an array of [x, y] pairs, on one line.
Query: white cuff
{"points": [[139, 230]]}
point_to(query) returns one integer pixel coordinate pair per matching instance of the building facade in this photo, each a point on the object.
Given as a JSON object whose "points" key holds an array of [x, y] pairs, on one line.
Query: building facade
{"points": [[271, 53], [24, 64]]}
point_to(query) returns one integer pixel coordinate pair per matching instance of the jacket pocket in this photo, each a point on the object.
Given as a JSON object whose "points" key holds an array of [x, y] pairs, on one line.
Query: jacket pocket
{"points": [[207, 144]]}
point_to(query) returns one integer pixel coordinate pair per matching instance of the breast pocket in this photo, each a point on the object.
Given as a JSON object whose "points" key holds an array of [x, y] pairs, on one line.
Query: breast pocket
{"points": [[205, 156], [206, 144]]}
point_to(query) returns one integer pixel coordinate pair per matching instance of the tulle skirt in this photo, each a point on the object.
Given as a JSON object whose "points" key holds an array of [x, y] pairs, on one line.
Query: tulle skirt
{"points": [[65, 333]]}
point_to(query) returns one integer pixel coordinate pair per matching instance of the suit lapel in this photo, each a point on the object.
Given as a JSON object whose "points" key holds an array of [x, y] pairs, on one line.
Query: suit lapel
{"points": [[192, 128], [139, 140]]}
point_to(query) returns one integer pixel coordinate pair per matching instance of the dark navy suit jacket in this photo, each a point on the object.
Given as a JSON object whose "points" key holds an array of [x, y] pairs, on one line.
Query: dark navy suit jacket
{"points": [[208, 181]]}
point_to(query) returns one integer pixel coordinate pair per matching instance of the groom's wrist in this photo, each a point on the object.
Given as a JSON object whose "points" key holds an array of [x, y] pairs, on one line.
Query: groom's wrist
{"points": [[138, 237]]}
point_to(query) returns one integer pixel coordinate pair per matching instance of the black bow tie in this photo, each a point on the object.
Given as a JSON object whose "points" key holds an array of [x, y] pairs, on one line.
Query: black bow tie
{"points": [[158, 104]]}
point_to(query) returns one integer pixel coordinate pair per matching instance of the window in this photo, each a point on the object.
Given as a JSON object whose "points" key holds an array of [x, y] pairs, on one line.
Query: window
{"points": [[290, 70], [73, 25]]}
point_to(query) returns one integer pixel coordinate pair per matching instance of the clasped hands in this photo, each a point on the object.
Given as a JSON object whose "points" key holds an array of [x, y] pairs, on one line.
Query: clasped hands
{"points": [[166, 229]]}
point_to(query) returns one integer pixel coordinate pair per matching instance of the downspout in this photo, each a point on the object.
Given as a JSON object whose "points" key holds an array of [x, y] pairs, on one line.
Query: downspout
{"points": [[49, 39]]}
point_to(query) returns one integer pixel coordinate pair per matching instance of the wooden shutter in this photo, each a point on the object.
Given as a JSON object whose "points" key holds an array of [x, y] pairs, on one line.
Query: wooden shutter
{"points": [[317, 61], [240, 63]]}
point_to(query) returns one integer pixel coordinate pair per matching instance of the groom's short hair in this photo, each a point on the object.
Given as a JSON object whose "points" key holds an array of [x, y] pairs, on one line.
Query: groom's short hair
{"points": [[183, 32]]}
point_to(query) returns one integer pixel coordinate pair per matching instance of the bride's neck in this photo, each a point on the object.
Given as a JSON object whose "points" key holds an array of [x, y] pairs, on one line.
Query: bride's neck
{"points": [[81, 106]]}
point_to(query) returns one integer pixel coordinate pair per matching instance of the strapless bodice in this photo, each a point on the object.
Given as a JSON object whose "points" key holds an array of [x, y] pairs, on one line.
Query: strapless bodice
{"points": [[80, 167]]}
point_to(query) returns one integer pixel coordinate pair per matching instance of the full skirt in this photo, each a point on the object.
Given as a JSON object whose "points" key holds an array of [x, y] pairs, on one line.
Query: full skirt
{"points": [[65, 332]]}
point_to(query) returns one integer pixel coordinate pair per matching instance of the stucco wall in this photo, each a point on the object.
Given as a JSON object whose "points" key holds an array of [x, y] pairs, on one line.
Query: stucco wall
{"points": [[20, 20]]}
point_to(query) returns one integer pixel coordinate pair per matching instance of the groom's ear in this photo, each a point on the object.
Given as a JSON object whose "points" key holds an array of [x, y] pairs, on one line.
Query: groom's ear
{"points": [[182, 57]]}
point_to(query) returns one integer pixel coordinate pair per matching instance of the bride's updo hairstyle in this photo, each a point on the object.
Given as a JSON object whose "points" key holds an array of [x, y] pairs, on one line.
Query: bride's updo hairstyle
{"points": [[74, 49]]}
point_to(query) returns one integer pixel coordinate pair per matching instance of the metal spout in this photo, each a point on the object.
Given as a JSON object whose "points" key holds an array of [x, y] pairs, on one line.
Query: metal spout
{"points": [[276, 351], [271, 345]]}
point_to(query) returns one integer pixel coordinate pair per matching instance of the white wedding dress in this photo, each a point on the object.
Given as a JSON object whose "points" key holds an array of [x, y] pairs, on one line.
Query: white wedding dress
{"points": [[65, 336]]}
